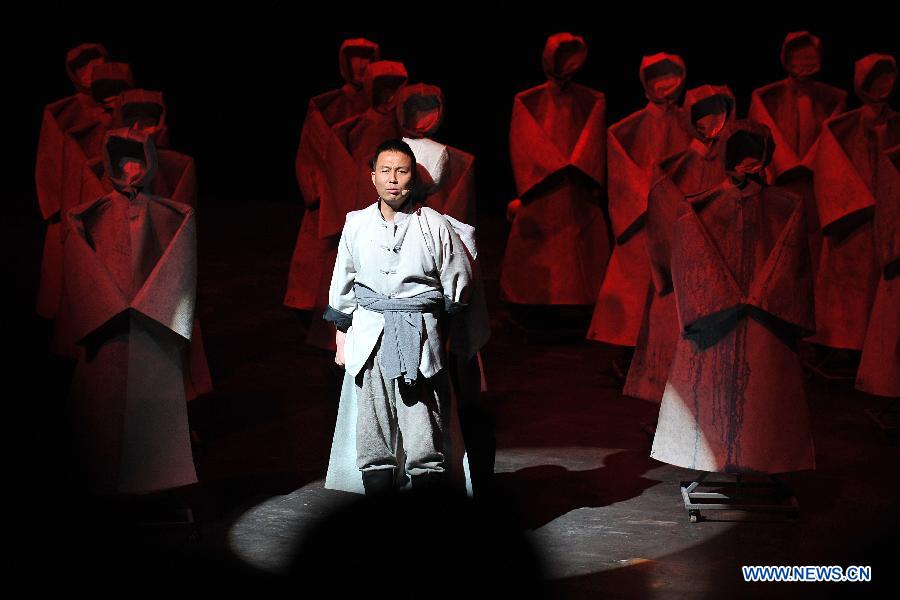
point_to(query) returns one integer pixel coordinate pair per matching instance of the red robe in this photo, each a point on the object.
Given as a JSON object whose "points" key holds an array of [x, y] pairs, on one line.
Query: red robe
{"points": [[879, 367], [692, 171], [130, 268], [83, 143], [635, 145], [846, 161], [420, 109], [794, 109], [54, 152], [735, 401], [175, 179], [558, 246], [313, 256]]}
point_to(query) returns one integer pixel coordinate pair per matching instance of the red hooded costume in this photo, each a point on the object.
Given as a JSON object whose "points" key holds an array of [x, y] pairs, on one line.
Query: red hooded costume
{"points": [[734, 401], [175, 178], [420, 109], [635, 145], [846, 165], [131, 272], [879, 368], [558, 246], [313, 256], [707, 111], [794, 109], [54, 151]]}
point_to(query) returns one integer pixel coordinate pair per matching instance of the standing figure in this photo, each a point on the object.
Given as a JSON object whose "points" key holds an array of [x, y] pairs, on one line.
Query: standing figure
{"points": [[84, 145], [794, 109], [879, 367], [51, 175], [635, 145], [175, 178], [314, 255], [420, 110], [399, 266], [735, 400], [558, 246], [131, 274], [707, 112], [846, 165]]}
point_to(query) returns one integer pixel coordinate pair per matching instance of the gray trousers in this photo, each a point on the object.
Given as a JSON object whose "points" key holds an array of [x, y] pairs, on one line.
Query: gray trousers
{"points": [[394, 415]]}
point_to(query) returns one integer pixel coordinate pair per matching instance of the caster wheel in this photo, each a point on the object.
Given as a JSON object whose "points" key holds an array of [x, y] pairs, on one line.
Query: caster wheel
{"points": [[694, 515]]}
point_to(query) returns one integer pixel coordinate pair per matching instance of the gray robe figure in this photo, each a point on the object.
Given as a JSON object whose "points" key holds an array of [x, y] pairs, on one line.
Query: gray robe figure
{"points": [[418, 255]]}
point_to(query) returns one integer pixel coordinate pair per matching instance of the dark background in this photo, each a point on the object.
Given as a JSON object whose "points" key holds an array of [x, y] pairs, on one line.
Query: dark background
{"points": [[237, 82]]}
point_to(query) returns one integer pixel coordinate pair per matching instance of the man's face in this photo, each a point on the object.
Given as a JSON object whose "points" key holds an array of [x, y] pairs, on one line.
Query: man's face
{"points": [[393, 177]]}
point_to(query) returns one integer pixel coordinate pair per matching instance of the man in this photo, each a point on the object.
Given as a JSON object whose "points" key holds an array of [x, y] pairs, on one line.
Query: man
{"points": [[398, 265]]}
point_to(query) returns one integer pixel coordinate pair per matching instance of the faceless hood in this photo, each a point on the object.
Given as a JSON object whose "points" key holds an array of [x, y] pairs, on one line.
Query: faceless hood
{"points": [[564, 54], [749, 147], [80, 58], [144, 110], [663, 76], [875, 77], [353, 58], [420, 109], [124, 146], [382, 81], [707, 110], [801, 54], [109, 80]]}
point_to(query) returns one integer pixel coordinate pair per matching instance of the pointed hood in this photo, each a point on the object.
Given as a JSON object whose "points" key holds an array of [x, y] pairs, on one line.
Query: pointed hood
{"points": [[801, 54], [420, 110], [80, 62], [564, 55], [875, 77], [663, 76], [124, 146], [353, 58], [749, 147], [382, 82], [144, 110], [707, 110]]}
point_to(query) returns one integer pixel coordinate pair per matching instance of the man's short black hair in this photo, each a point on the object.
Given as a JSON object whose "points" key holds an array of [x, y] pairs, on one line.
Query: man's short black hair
{"points": [[394, 145]]}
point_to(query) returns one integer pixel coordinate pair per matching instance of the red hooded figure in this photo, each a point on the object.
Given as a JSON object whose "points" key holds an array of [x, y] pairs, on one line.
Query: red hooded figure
{"points": [[707, 111], [794, 109], [420, 110], [175, 178], [879, 368], [53, 152], [735, 401], [846, 166], [558, 246], [108, 81], [310, 262], [347, 180], [635, 145], [131, 272]]}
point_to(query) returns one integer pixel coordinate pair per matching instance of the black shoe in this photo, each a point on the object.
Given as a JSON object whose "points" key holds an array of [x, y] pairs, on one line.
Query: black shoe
{"points": [[378, 482], [428, 480]]}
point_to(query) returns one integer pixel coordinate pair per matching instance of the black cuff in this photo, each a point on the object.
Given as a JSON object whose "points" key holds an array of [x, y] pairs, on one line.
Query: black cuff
{"points": [[341, 320], [452, 307]]}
